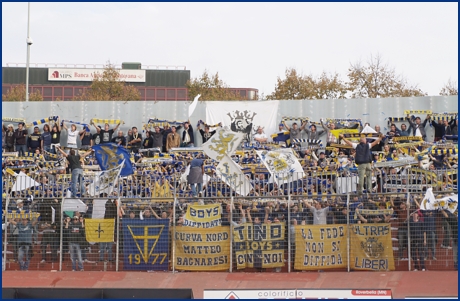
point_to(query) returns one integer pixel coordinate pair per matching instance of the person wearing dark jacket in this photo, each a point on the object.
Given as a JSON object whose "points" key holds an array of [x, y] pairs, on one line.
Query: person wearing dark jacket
{"points": [[363, 159], [74, 232], [34, 140], [417, 241], [188, 139], [20, 138]]}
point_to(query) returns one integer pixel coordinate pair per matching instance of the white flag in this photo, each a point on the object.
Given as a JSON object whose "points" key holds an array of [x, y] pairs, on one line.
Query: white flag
{"points": [[428, 202], [232, 175], [244, 116], [448, 203], [74, 205], [105, 181], [193, 105], [223, 142], [282, 165], [23, 182]]}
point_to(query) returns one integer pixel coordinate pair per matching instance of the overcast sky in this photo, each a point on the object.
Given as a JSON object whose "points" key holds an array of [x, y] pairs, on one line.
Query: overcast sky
{"points": [[249, 44]]}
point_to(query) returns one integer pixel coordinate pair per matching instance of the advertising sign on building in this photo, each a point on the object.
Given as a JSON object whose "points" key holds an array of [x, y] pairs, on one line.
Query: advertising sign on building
{"points": [[87, 75]]}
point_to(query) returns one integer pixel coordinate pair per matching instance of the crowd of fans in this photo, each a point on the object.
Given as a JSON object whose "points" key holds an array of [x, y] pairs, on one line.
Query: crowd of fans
{"points": [[160, 164]]}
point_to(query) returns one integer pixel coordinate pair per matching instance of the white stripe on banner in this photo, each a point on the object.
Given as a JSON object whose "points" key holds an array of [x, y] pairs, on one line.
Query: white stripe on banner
{"points": [[244, 117]]}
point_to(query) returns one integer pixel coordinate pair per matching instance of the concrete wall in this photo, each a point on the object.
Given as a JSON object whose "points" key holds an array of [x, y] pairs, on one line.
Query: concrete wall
{"points": [[136, 113]]}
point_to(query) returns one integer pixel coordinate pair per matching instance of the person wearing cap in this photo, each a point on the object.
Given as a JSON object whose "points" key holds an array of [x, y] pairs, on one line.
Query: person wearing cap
{"points": [[418, 127], [34, 140], [9, 137], [24, 241], [20, 139]]}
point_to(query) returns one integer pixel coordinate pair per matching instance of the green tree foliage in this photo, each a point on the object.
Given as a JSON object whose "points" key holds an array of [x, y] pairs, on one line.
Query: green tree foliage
{"points": [[377, 80], [18, 93], [108, 86], [451, 88], [211, 87], [298, 86]]}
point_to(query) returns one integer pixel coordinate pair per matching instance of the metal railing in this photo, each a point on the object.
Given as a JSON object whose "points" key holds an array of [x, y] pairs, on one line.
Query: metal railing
{"points": [[267, 232]]}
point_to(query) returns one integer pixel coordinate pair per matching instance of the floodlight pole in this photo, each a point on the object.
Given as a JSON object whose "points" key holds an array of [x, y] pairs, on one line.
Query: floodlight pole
{"points": [[29, 43]]}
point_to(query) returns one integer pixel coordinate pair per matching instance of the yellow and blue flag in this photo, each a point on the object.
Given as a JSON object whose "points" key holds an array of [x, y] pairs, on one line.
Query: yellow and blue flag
{"points": [[110, 156], [99, 230]]}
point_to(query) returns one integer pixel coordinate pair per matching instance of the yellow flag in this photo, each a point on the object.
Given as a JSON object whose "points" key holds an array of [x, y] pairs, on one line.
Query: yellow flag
{"points": [[99, 230], [371, 247]]}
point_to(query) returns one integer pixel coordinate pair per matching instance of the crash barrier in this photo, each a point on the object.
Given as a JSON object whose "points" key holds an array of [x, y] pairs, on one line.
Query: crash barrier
{"points": [[382, 231]]}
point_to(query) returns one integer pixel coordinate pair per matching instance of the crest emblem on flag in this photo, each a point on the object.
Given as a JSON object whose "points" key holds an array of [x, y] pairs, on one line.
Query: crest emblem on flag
{"points": [[372, 247], [242, 122]]}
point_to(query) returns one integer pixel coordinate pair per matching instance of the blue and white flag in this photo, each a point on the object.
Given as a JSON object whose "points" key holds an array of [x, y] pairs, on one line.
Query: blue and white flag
{"points": [[105, 181], [146, 244], [110, 156]]}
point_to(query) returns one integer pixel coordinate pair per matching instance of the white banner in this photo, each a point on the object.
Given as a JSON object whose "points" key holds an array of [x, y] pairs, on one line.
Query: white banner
{"points": [[87, 75], [223, 142], [232, 175], [23, 182], [244, 116], [282, 165]]}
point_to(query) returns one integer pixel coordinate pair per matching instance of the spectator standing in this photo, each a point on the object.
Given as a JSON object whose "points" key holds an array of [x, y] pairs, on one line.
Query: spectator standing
{"points": [[106, 133], [20, 139], [119, 140], [9, 138], [135, 140], [295, 132], [173, 139], [71, 135], [442, 129], [188, 137], [55, 137], [195, 176], [418, 127], [74, 232], [85, 138], [319, 212], [45, 139], [157, 137], [76, 169], [363, 159], [206, 134], [34, 140], [25, 230], [417, 242]]}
